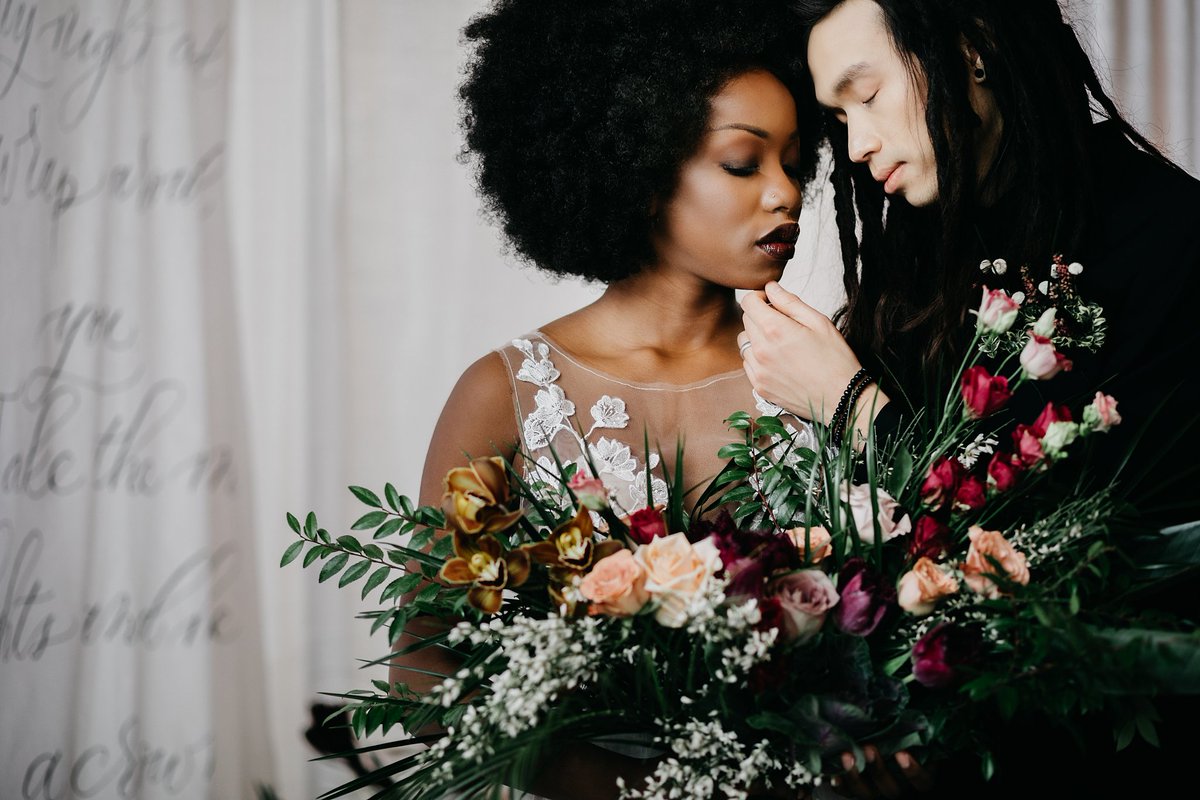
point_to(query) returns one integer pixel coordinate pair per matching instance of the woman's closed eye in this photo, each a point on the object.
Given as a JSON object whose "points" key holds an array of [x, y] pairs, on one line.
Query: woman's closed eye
{"points": [[746, 170]]}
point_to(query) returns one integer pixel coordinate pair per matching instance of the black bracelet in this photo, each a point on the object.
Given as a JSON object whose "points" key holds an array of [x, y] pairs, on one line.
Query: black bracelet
{"points": [[841, 414]]}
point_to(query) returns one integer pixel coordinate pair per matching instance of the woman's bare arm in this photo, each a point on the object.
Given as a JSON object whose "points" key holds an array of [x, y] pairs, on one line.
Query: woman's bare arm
{"points": [[477, 420]]}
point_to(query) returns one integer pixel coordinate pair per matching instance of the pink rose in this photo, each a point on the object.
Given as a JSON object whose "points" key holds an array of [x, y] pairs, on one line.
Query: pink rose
{"points": [[616, 585], [591, 491], [971, 494], [676, 571], [921, 587], [1003, 471], [941, 482], [997, 312], [988, 547], [805, 597], [1102, 414], [818, 538], [1040, 360], [892, 520], [983, 394]]}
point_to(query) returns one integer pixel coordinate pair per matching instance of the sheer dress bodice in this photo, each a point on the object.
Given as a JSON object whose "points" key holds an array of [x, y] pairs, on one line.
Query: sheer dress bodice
{"points": [[563, 404]]}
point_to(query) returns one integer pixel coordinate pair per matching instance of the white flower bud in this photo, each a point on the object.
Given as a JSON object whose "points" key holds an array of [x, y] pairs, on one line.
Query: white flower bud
{"points": [[985, 265], [1000, 266], [1045, 323], [1075, 268], [1044, 287], [1018, 297]]}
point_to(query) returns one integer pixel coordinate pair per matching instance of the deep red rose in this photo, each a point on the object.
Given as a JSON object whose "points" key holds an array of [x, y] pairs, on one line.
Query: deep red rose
{"points": [[983, 394], [1050, 414], [1003, 471], [865, 598], [1027, 444], [772, 613], [971, 494], [931, 538], [939, 656], [646, 524], [941, 482]]}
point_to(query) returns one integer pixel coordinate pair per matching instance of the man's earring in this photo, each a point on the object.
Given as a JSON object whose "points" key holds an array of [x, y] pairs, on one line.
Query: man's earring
{"points": [[980, 72]]}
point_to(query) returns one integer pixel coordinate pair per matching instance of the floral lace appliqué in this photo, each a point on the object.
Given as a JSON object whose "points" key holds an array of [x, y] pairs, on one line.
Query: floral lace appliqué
{"points": [[552, 424]]}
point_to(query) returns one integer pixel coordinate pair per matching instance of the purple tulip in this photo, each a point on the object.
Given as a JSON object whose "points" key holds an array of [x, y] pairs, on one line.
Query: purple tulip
{"points": [[865, 598]]}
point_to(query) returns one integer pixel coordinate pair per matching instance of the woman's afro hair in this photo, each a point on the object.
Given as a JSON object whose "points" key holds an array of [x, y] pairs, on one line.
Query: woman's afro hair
{"points": [[578, 115]]}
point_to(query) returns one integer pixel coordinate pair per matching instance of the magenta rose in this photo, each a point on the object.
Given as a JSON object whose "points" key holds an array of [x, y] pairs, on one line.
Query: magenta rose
{"points": [[646, 525], [865, 598], [983, 394], [1050, 415], [1028, 446], [931, 538], [941, 482], [971, 494], [1003, 471], [939, 656], [805, 597]]}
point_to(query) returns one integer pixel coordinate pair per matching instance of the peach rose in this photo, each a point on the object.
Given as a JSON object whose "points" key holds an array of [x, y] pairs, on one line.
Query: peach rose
{"points": [[1102, 414], [977, 569], [921, 587], [675, 572], [818, 538], [616, 585]]}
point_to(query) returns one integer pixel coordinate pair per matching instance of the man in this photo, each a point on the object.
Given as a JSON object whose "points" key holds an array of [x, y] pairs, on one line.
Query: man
{"points": [[962, 132]]}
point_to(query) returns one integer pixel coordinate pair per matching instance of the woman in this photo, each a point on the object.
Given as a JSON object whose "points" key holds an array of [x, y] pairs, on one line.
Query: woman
{"points": [[657, 146], [962, 133]]}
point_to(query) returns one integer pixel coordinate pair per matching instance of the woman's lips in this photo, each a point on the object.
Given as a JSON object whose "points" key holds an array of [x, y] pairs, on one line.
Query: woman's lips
{"points": [[780, 244]]}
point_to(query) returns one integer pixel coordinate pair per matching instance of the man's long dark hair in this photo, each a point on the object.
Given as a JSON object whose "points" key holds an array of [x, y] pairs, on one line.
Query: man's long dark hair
{"points": [[908, 283]]}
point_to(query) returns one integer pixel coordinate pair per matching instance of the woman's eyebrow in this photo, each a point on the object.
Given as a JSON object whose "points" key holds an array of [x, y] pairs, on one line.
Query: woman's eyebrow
{"points": [[759, 132]]}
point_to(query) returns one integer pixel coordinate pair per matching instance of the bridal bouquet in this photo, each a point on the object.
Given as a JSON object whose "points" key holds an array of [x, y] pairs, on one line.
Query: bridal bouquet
{"points": [[815, 599]]}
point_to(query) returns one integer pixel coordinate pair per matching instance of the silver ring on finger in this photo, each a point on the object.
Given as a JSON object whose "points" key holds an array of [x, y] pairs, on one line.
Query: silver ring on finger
{"points": [[742, 350]]}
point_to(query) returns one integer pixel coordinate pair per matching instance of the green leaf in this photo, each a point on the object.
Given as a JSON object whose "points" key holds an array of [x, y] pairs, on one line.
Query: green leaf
{"points": [[402, 585], [312, 555], [293, 523], [323, 535], [350, 543], [373, 551], [333, 566], [421, 538], [428, 594], [393, 498], [383, 618], [388, 528], [733, 450], [382, 686], [372, 519], [290, 554], [354, 573], [377, 577], [310, 525], [443, 547], [366, 495]]}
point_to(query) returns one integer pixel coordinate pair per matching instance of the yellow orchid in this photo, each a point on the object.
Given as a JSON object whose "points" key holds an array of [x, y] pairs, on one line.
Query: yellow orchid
{"points": [[477, 496], [482, 562], [572, 545]]}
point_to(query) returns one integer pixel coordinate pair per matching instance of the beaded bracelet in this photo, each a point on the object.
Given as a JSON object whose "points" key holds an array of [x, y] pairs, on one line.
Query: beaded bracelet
{"points": [[861, 380]]}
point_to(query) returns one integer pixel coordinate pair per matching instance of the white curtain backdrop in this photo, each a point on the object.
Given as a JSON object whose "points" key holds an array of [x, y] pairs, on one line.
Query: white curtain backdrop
{"points": [[240, 269]]}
